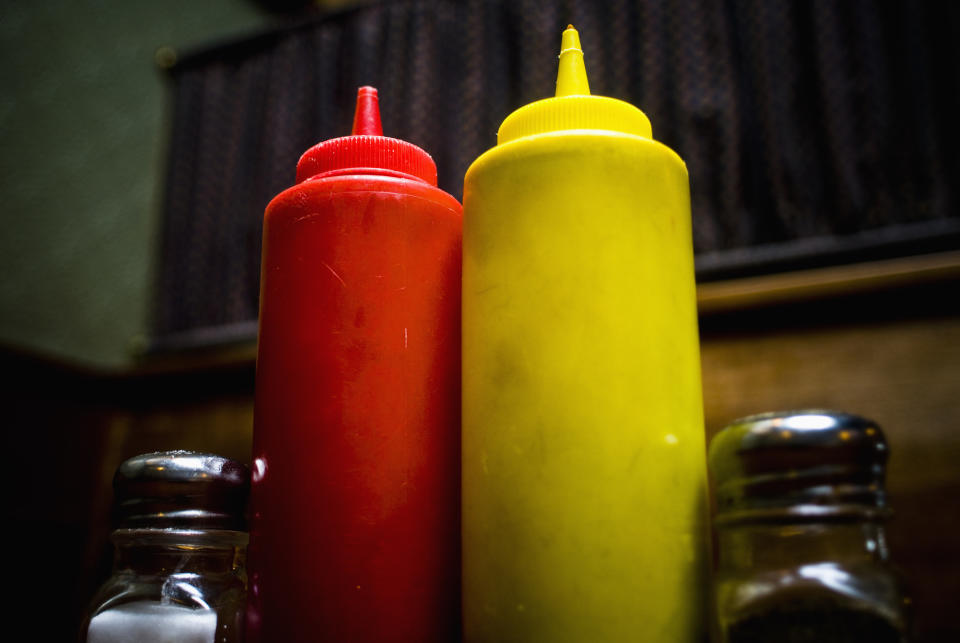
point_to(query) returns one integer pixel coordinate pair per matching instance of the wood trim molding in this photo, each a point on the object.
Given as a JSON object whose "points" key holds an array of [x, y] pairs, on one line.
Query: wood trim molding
{"points": [[834, 281]]}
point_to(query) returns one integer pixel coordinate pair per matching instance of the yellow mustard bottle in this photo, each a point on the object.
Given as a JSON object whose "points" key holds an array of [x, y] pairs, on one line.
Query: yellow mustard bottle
{"points": [[584, 492]]}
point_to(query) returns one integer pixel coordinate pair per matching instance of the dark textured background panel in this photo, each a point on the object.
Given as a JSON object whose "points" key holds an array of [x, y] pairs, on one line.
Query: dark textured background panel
{"points": [[814, 132]]}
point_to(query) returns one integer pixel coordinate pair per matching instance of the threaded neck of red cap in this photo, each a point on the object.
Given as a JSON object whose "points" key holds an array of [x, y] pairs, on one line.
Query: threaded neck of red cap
{"points": [[367, 148]]}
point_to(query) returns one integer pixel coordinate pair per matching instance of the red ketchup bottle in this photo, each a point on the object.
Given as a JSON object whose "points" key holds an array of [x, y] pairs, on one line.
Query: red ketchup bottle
{"points": [[356, 448]]}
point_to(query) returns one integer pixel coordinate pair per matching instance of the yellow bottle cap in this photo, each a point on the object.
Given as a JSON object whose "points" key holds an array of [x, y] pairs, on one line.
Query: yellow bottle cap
{"points": [[573, 107]]}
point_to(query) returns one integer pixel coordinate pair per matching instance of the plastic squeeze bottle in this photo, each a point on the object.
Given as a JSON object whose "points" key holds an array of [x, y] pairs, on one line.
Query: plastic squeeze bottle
{"points": [[584, 467], [355, 494]]}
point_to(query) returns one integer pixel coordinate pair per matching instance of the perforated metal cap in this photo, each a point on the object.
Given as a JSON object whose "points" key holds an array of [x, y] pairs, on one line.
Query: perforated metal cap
{"points": [[807, 464], [181, 489]]}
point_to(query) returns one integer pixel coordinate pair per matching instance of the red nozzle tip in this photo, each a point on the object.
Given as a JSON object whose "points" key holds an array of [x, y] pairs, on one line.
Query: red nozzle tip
{"points": [[367, 149], [366, 120]]}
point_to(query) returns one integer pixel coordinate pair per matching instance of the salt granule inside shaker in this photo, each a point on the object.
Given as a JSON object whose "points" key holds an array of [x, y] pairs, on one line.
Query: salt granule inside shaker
{"points": [[148, 622]]}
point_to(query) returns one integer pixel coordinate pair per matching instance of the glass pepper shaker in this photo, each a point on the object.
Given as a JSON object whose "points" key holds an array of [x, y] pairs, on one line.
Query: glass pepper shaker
{"points": [[180, 551], [800, 511]]}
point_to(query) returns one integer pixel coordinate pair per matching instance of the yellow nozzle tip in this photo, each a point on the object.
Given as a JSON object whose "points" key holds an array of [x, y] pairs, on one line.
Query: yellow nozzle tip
{"points": [[570, 40], [572, 74], [573, 108]]}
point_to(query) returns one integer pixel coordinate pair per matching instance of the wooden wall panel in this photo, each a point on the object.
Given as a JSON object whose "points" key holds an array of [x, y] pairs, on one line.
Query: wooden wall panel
{"points": [[892, 356], [903, 374]]}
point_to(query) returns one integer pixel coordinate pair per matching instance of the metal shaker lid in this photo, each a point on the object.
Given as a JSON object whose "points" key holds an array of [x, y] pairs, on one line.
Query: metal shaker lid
{"points": [[798, 465], [181, 489]]}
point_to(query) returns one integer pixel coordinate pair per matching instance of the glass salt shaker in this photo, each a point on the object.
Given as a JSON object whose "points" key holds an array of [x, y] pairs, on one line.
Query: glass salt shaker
{"points": [[800, 512], [180, 552]]}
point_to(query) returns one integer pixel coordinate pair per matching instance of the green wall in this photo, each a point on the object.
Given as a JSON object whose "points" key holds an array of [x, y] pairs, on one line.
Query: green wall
{"points": [[82, 144]]}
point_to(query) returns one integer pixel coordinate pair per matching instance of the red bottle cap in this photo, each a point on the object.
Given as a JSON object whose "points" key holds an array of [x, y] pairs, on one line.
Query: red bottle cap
{"points": [[366, 147]]}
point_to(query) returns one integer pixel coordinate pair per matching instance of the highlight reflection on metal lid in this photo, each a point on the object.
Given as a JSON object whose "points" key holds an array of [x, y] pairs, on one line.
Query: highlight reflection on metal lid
{"points": [[799, 465], [181, 489]]}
